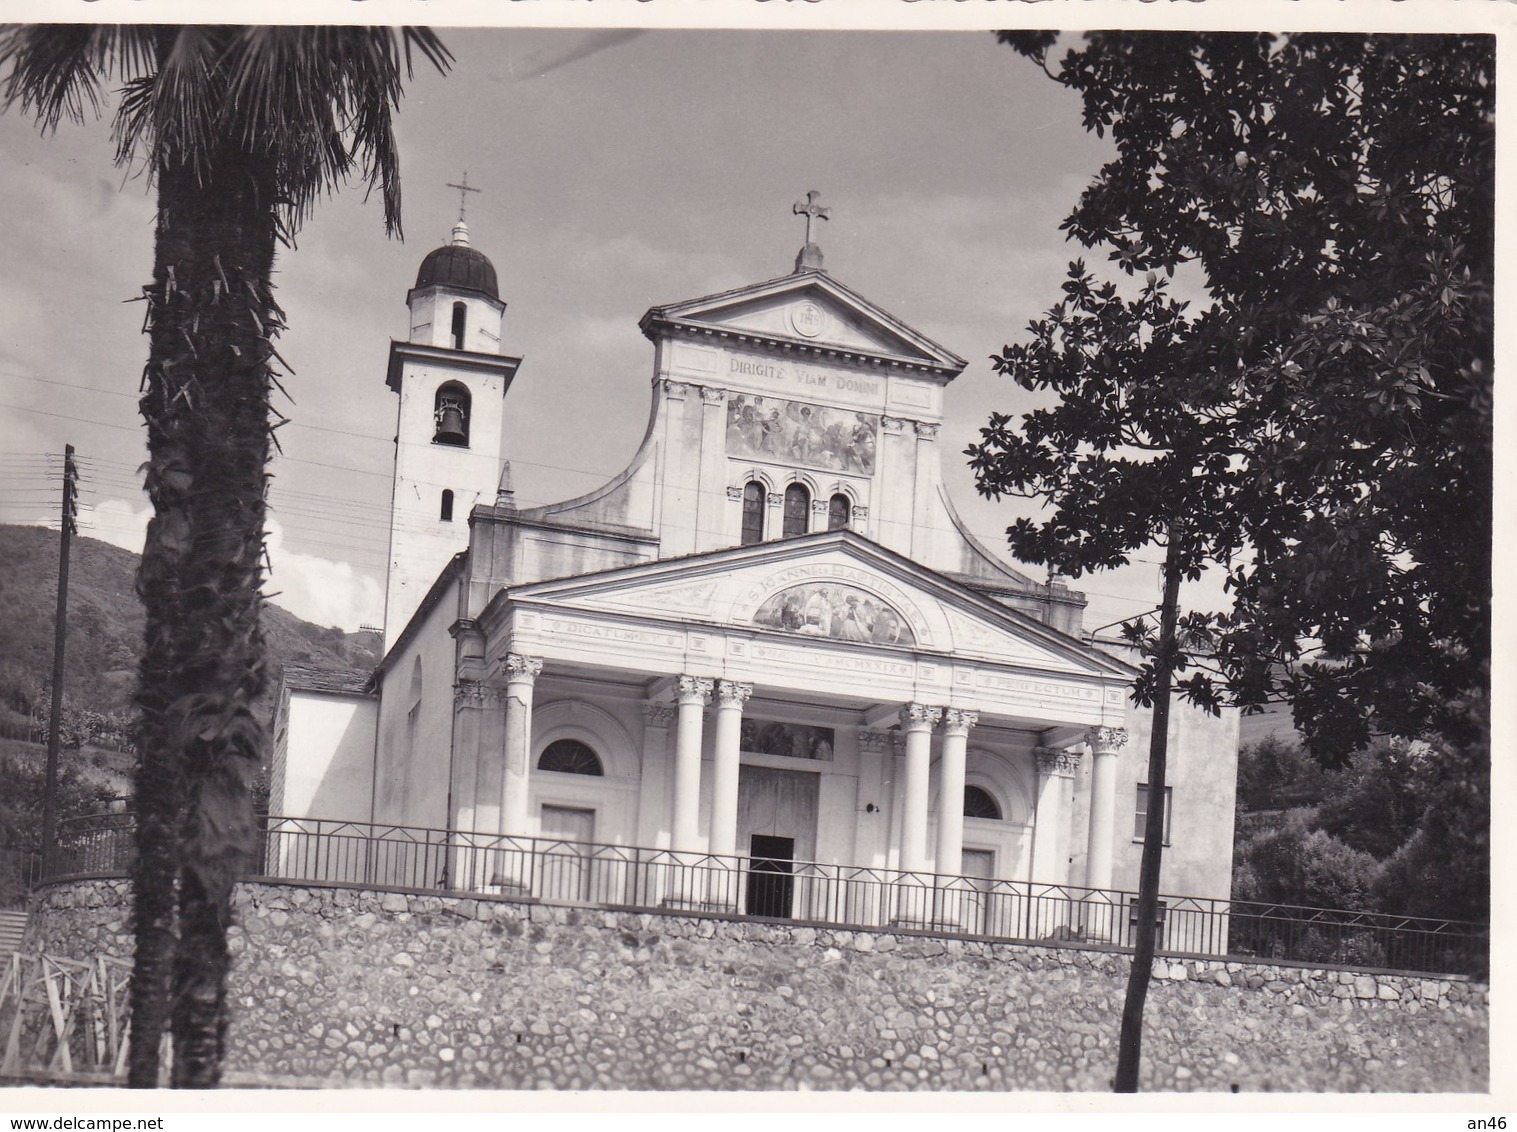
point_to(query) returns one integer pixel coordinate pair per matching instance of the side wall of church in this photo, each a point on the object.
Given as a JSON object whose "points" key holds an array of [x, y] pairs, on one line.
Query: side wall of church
{"points": [[335, 986], [1202, 775], [416, 721], [333, 777]]}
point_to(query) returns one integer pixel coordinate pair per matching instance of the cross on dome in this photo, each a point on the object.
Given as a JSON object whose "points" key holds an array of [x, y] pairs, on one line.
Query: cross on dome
{"points": [[463, 190], [461, 230]]}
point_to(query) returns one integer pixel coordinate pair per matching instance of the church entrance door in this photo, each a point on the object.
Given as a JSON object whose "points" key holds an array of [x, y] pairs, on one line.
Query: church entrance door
{"points": [[978, 869], [776, 821], [771, 883], [565, 855]]}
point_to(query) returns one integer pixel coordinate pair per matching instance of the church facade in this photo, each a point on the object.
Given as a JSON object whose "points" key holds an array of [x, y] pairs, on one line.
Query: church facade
{"points": [[769, 645]]}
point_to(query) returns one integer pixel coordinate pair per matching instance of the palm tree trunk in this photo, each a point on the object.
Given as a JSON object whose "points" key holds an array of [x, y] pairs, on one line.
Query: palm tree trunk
{"points": [[212, 316], [1130, 1042]]}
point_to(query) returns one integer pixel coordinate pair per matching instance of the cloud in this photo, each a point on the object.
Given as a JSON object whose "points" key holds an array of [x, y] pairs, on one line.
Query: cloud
{"points": [[319, 590]]}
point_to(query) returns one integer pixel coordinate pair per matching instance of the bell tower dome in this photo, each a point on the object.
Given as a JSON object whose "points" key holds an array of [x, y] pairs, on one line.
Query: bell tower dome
{"points": [[451, 377]]}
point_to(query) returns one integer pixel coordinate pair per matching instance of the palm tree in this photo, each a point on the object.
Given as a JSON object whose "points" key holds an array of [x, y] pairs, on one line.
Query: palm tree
{"points": [[241, 129]]}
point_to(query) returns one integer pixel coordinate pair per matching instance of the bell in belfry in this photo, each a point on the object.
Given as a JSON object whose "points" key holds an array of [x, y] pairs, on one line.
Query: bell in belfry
{"points": [[452, 427]]}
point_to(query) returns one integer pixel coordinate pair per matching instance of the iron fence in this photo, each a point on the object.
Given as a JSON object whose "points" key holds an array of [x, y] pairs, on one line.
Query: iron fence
{"points": [[368, 855]]}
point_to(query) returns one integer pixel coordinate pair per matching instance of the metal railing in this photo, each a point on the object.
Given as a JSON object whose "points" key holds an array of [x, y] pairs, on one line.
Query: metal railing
{"points": [[553, 871]]}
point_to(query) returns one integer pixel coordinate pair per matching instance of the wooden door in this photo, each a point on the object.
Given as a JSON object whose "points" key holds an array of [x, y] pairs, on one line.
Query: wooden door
{"points": [[776, 826], [565, 858], [979, 903]]}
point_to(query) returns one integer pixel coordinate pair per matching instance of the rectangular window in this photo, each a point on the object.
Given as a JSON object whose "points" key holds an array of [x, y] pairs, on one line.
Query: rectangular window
{"points": [[1132, 921], [1140, 818]]}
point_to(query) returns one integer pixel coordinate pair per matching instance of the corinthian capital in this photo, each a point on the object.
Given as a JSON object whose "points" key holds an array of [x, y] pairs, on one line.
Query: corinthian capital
{"points": [[522, 668], [919, 717], [926, 430], [659, 715], [1106, 740], [475, 694], [957, 721], [730, 694], [1054, 761], [694, 690]]}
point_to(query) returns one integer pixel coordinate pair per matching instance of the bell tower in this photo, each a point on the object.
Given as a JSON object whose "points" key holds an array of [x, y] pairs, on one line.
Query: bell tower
{"points": [[451, 378]]}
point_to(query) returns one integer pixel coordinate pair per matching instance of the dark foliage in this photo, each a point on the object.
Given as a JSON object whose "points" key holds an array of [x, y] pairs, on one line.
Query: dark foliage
{"points": [[1336, 193]]}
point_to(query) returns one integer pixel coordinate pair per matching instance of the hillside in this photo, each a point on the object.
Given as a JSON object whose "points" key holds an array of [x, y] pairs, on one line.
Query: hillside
{"points": [[105, 629]]}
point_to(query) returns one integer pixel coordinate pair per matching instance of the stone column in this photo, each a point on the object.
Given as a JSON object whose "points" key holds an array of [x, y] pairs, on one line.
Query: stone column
{"points": [[693, 693], [513, 864], [710, 531], [925, 506], [1104, 742], [655, 800], [956, 725], [475, 704], [1056, 767], [521, 675], [1047, 911], [730, 697], [917, 721]]}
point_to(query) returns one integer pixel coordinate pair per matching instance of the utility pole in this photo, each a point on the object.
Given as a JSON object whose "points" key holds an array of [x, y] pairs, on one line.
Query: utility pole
{"points": [[60, 635]]}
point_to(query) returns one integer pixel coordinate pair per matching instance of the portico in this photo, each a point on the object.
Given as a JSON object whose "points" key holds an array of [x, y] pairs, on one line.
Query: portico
{"points": [[716, 710]]}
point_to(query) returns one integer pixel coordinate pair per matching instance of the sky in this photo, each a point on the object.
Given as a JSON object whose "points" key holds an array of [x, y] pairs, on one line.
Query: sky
{"points": [[619, 169]]}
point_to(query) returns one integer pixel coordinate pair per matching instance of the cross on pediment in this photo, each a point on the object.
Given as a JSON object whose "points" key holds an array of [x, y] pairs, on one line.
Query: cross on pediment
{"points": [[811, 211], [463, 190]]}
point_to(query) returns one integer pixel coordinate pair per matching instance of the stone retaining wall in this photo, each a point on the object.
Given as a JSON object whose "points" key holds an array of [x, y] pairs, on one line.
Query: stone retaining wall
{"points": [[340, 986]]}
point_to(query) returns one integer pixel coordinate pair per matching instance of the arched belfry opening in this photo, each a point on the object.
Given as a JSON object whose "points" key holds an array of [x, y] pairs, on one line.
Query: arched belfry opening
{"points": [[450, 412]]}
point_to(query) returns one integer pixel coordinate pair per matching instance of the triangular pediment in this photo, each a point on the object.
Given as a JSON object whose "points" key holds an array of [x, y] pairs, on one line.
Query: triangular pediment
{"points": [[810, 309], [836, 588]]}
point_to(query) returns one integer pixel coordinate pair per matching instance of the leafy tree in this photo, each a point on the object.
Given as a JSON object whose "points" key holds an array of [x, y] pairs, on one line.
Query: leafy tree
{"points": [[1299, 864], [1321, 430], [1371, 803], [21, 814], [241, 130], [1275, 773], [1336, 193], [1444, 868]]}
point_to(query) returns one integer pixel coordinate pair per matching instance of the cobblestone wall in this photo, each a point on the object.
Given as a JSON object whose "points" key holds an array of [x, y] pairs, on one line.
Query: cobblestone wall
{"points": [[335, 986]]}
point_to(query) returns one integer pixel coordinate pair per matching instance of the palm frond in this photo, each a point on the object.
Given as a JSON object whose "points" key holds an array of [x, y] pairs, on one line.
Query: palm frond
{"points": [[319, 101], [56, 71]]}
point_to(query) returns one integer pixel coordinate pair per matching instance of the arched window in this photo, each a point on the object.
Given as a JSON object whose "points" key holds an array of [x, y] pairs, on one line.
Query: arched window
{"points": [[447, 505], [570, 756], [797, 507], [450, 414], [978, 803], [753, 513], [459, 314], [839, 512]]}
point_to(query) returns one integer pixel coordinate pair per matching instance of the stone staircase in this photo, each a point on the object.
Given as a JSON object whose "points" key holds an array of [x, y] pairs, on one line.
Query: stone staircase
{"points": [[12, 925]]}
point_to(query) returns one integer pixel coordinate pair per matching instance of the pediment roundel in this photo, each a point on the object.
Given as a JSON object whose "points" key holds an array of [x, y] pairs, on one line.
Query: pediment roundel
{"points": [[837, 611]]}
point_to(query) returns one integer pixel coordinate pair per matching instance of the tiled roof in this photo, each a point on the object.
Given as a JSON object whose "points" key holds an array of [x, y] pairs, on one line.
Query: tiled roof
{"points": [[306, 678]]}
